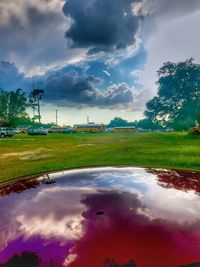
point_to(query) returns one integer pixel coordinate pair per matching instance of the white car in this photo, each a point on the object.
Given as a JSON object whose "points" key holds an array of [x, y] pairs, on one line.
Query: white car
{"points": [[4, 132], [17, 131]]}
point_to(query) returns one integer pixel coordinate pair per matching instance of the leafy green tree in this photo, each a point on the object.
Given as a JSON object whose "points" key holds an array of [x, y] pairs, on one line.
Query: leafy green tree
{"points": [[13, 106], [147, 124], [119, 122], [177, 102], [23, 120]]}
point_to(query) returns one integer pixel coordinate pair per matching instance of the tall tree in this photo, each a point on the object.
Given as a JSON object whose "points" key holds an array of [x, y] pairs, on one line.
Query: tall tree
{"points": [[177, 102], [34, 100], [13, 105]]}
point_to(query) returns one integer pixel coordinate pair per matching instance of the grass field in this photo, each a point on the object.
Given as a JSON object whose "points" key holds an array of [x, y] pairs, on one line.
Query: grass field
{"points": [[25, 155]]}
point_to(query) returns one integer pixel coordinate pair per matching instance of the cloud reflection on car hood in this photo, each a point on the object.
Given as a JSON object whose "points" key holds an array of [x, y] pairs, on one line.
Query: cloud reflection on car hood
{"points": [[102, 217]]}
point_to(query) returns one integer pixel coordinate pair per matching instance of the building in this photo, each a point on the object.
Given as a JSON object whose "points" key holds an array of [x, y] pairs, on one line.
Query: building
{"points": [[124, 129], [89, 127]]}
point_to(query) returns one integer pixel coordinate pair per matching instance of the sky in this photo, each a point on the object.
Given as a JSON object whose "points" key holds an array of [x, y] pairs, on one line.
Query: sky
{"points": [[96, 58]]}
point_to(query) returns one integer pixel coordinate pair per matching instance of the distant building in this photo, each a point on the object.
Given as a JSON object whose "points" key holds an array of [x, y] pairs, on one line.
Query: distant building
{"points": [[124, 129], [89, 127]]}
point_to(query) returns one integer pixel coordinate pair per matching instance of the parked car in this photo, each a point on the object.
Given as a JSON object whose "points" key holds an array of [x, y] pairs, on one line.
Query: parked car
{"points": [[6, 132], [37, 132], [24, 128], [17, 131]]}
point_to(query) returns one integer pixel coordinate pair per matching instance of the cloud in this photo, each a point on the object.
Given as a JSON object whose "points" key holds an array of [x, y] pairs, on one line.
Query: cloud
{"points": [[101, 25], [11, 78], [72, 89], [42, 35], [107, 73], [109, 26], [168, 35], [175, 41], [170, 8], [33, 34], [68, 88]]}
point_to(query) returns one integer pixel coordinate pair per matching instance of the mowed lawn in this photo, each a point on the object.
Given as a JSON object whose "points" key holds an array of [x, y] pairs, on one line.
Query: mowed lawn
{"points": [[24, 155]]}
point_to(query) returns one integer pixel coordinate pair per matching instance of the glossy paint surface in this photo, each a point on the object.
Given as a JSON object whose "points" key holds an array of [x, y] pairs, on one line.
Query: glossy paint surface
{"points": [[104, 217]]}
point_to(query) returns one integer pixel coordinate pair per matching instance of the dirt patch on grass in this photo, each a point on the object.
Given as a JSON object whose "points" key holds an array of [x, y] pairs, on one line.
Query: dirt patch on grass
{"points": [[38, 153], [86, 145]]}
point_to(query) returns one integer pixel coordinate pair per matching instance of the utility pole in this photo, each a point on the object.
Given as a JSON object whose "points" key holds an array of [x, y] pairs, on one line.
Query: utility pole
{"points": [[56, 117], [88, 119]]}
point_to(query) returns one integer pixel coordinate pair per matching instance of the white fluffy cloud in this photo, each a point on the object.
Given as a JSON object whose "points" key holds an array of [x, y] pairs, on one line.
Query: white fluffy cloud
{"points": [[175, 41], [33, 35]]}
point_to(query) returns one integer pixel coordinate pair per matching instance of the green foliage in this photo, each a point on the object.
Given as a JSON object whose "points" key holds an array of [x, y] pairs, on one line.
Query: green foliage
{"points": [[13, 106], [148, 124], [23, 120], [177, 103], [119, 122]]}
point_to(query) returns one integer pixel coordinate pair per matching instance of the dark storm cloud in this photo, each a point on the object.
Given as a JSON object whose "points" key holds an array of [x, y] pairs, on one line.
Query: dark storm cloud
{"points": [[72, 89], [68, 88], [32, 32], [101, 25], [11, 78]]}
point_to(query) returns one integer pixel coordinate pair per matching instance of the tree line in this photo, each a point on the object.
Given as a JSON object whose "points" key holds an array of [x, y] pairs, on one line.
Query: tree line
{"points": [[14, 107]]}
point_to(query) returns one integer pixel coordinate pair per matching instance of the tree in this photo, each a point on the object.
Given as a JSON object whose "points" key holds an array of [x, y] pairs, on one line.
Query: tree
{"points": [[177, 102], [13, 105], [119, 122], [34, 99], [147, 124]]}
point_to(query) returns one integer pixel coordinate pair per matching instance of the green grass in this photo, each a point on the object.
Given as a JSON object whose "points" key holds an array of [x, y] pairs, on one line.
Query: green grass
{"points": [[24, 155]]}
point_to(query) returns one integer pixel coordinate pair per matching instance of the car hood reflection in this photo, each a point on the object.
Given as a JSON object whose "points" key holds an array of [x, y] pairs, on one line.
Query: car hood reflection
{"points": [[105, 217]]}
